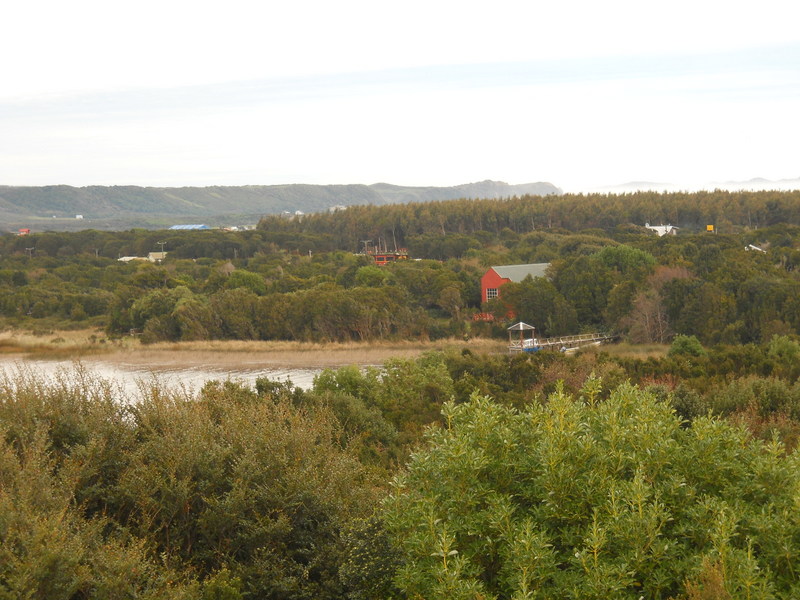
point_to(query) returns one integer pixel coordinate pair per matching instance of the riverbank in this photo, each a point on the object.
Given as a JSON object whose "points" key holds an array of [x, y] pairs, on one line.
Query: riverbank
{"points": [[222, 354]]}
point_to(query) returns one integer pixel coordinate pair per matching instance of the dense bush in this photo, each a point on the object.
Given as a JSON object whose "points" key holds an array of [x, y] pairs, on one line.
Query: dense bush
{"points": [[584, 499], [173, 496], [271, 493]]}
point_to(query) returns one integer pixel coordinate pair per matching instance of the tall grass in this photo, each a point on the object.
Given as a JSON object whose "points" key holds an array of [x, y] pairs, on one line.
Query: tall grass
{"points": [[66, 344], [628, 350], [56, 343]]}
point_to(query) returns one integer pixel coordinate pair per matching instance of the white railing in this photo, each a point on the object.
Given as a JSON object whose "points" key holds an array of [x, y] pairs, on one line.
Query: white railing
{"points": [[564, 341]]}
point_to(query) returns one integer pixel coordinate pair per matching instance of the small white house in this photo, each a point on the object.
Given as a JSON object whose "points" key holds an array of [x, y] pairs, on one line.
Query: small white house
{"points": [[662, 230]]}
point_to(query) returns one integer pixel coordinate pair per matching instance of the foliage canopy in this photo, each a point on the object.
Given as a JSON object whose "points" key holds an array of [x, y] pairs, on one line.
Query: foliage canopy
{"points": [[585, 499]]}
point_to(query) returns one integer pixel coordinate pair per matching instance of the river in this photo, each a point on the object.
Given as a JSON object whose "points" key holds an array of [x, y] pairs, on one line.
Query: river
{"points": [[131, 377]]}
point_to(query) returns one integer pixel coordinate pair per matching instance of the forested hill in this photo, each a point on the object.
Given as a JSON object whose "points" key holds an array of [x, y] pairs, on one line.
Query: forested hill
{"points": [[122, 207]]}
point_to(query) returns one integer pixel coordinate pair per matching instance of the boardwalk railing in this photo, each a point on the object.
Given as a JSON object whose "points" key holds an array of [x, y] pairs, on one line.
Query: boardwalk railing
{"points": [[564, 343]]}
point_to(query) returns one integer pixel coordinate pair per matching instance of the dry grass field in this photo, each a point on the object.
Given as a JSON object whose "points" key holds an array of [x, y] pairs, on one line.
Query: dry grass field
{"points": [[128, 350], [641, 351], [245, 354], [55, 343]]}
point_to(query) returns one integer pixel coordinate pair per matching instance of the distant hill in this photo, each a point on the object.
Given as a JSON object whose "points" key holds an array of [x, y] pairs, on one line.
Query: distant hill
{"points": [[122, 207]]}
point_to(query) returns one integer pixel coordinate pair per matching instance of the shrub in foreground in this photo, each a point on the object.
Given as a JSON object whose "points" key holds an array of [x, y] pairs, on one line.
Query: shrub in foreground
{"points": [[223, 494], [580, 499]]}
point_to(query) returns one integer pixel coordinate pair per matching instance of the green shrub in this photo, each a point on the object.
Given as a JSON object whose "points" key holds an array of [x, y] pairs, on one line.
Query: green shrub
{"points": [[580, 499], [686, 345]]}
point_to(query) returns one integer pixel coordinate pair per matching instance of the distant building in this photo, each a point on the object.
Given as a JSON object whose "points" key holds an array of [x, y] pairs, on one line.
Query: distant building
{"points": [[384, 258], [189, 227], [381, 254], [79, 217], [662, 230], [495, 277], [24, 231], [131, 258], [151, 257]]}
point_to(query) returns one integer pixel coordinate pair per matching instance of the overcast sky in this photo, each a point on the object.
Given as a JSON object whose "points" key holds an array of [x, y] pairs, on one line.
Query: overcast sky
{"points": [[578, 93]]}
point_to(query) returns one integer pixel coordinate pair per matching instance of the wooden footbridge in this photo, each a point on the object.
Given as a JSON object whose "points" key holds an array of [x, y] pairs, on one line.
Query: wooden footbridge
{"points": [[564, 343]]}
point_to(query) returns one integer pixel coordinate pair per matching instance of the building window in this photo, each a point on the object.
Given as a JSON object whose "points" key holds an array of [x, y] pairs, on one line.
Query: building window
{"points": [[491, 294]]}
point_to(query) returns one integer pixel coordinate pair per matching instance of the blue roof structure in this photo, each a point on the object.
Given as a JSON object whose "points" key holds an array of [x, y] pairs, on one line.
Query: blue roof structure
{"points": [[183, 227]]}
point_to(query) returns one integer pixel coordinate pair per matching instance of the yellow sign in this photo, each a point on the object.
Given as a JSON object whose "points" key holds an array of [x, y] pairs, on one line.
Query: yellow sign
{"points": [[709, 228]]}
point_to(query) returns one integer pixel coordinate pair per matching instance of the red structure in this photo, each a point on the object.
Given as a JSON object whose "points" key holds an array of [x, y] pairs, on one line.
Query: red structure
{"points": [[495, 277], [381, 254], [384, 258], [490, 285]]}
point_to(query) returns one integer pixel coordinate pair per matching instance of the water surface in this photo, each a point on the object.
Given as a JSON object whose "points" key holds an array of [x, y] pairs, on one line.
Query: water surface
{"points": [[130, 378]]}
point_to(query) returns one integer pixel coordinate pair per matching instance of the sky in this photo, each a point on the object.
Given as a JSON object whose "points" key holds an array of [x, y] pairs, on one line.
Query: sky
{"points": [[581, 94]]}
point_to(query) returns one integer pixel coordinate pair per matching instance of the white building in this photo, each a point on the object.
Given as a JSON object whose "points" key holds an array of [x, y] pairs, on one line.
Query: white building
{"points": [[662, 229]]}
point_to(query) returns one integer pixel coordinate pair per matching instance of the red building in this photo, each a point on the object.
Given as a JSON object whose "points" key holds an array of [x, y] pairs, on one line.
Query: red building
{"points": [[381, 254], [384, 258], [495, 277]]}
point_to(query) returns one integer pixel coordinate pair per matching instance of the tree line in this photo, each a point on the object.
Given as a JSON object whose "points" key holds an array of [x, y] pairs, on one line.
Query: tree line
{"points": [[721, 288], [413, 223]]}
